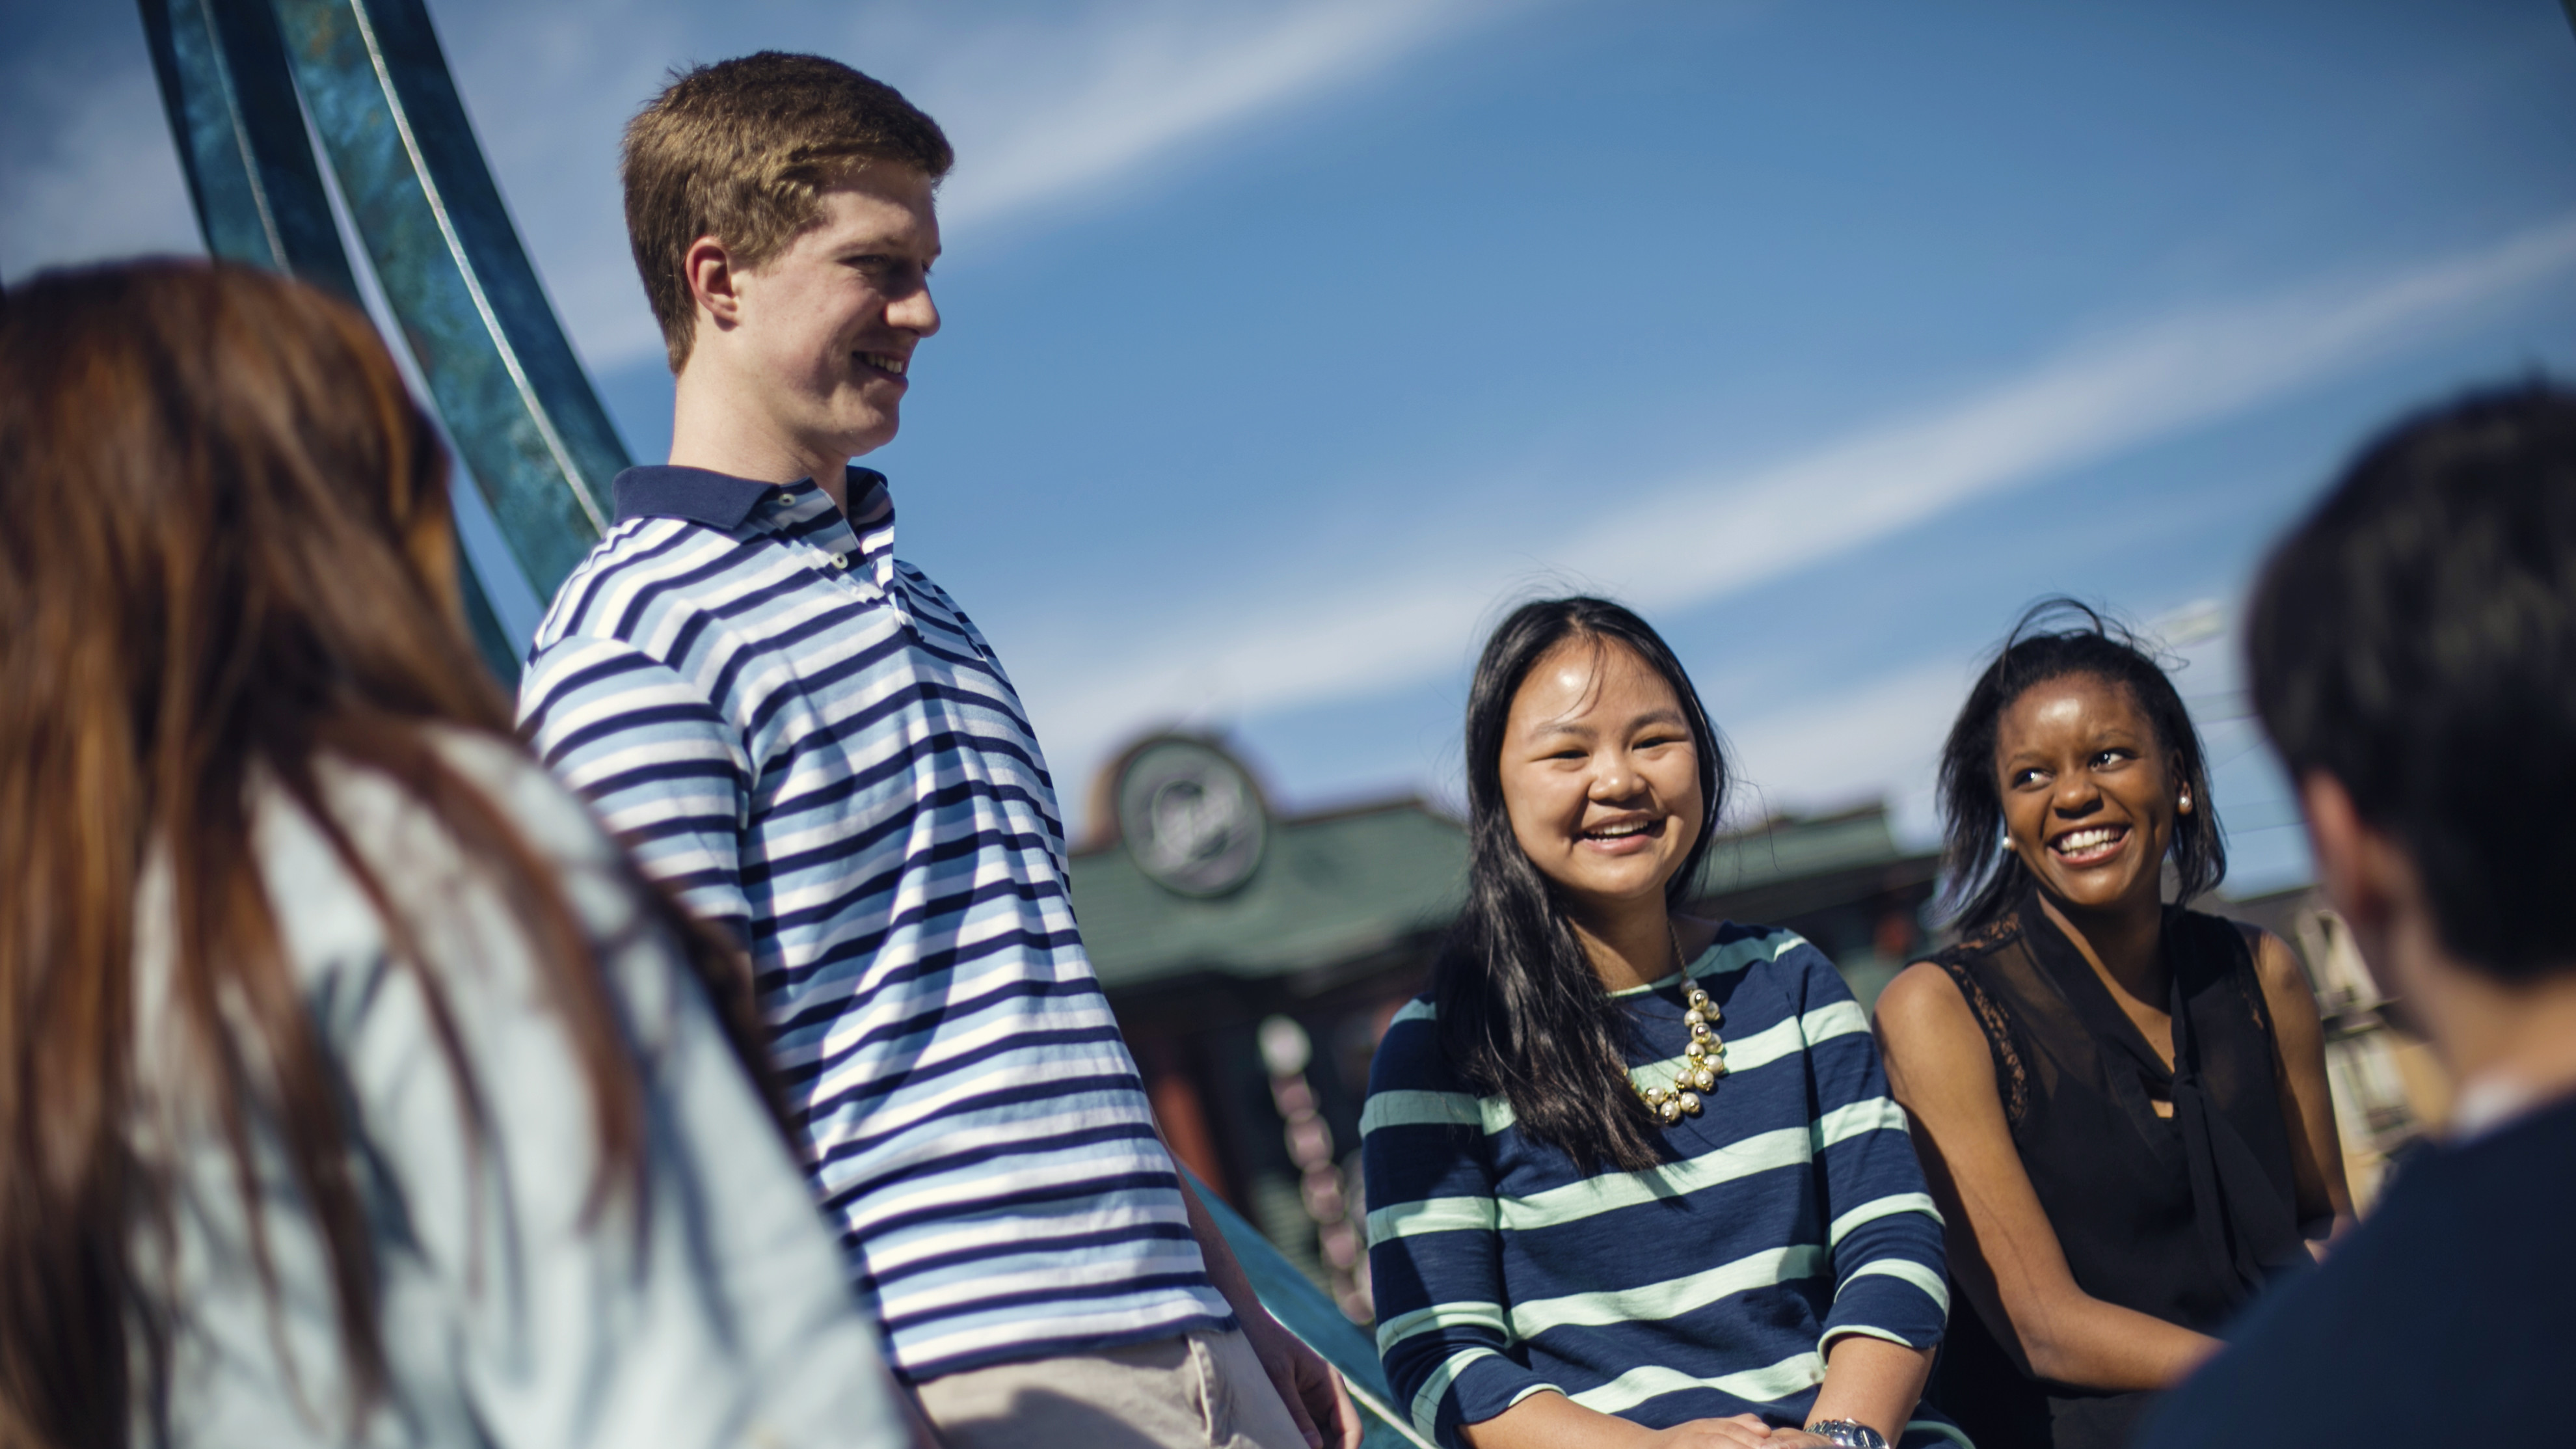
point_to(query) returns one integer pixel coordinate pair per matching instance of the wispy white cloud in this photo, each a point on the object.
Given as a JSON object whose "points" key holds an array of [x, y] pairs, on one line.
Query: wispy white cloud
{"points": [[2090, 404], [1051, 107], [1294, 646], [1875, 740], [1144, 84]]}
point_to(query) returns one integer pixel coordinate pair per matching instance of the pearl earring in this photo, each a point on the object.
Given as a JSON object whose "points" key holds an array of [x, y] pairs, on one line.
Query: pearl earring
{"points": [[2186, 800]]}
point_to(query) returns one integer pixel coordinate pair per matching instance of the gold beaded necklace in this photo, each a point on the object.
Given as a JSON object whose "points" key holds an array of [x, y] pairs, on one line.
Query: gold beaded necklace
{"points": [[1703, 1056]]}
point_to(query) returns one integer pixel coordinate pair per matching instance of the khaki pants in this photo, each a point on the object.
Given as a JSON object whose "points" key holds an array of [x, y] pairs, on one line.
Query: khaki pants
{"points": [[1197, 1391]]}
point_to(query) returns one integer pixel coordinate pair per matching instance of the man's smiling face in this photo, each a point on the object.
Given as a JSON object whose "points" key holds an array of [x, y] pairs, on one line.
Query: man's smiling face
{"points": [[828, 326]]}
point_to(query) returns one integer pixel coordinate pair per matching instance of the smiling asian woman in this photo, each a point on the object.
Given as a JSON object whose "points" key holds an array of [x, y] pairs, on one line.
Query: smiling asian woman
{"points": [[1634, 1178]]}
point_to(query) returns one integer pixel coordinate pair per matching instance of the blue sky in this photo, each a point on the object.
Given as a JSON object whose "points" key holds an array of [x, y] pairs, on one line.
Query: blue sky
{"points": [[1287, 343]]}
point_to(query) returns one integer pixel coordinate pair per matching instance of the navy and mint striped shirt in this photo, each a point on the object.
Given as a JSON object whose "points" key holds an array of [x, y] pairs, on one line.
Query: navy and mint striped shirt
{"points": [[808, 741], [1790, 1213]]}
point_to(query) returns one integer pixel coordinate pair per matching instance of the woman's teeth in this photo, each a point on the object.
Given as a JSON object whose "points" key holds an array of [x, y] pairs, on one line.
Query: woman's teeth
{"points": [[894, 365], [2079, 841], [1615, 832]]}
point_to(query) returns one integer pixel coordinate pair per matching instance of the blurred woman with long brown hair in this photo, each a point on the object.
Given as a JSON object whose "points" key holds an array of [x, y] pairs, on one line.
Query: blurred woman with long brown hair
{"points": [[353, 1089]]}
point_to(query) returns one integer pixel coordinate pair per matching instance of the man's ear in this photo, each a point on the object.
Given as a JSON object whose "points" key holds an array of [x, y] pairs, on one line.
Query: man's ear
{"points": [[2368, 878], [2350, 855], [709, 268]]}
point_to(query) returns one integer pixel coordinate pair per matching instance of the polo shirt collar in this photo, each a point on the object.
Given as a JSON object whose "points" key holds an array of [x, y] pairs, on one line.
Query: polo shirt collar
{"points": [[720, 500]]}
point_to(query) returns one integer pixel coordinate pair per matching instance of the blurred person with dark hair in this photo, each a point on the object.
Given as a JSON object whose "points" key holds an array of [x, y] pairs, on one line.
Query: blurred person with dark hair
{"points": [[2413, 653], [1634, 1177], [355, 1088], [2121, 1103]]}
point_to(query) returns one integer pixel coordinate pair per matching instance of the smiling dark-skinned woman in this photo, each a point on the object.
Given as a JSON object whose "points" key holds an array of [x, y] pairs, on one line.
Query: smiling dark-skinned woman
{"points": [[2121, 1103], [1634, 1179]]}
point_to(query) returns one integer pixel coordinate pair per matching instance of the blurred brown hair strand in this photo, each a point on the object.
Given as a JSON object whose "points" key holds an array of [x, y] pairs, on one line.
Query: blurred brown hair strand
{"points": [[229, 557]]}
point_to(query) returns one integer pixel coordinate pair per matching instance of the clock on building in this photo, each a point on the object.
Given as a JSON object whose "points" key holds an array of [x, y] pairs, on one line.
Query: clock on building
{"points": [[1191, 817]]}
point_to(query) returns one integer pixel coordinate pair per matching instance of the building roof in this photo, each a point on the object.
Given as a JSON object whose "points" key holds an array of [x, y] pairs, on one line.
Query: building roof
{"points": [[1342, 887], [1786, 851], [1329, 889]]}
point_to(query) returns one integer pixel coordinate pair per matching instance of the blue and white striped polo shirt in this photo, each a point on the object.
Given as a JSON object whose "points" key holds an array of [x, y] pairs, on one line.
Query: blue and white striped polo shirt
{"points": [[812, 744]]}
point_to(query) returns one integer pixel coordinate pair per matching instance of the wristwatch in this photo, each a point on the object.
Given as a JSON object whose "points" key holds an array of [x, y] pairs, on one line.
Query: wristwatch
{"points": [[1847, 1434]]}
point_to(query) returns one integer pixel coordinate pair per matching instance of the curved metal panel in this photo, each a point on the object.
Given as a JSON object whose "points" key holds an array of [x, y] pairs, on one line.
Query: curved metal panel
{"points": [[250, 169], [258, 192], [504, 377]]}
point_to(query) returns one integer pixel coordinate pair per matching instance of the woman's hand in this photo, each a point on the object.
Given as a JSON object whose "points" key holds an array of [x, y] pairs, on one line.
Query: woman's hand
{"points": [[1307, 1385], [1549, 1420], [1743, 1431]]}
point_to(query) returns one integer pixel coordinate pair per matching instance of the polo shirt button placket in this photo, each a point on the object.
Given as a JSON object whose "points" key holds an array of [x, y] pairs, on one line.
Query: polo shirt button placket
{"points": [[841, 561]]}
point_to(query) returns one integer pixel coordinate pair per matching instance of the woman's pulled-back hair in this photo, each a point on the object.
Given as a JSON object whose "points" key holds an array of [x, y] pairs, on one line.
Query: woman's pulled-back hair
{"points": [[229, 559], [1522, 1012], [2055, 638]]}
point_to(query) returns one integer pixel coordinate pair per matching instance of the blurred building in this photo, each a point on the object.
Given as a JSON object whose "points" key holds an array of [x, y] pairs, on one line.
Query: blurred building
{"points": [[1840, 880], [1255, 958], [2390, 1091]]}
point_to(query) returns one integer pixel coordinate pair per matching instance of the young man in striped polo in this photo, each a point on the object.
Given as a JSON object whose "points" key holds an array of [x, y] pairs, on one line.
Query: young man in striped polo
{"points": [[809, 742]]}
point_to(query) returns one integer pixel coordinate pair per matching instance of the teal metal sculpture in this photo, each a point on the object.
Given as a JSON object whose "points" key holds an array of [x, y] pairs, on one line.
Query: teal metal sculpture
{"points": [[232, 108], [515, 399], [517, 406]]}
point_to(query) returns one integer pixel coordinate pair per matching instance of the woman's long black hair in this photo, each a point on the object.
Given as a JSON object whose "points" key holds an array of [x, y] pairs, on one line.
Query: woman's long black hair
{"points": [[2057, 637], [1521, 1010]]}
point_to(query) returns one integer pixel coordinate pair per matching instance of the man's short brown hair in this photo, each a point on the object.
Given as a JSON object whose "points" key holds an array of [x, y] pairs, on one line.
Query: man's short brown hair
{"points": [[743, 150]]}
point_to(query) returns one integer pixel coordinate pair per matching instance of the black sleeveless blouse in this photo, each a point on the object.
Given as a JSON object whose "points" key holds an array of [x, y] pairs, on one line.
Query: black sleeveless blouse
{"points": [[2183, 1217]]}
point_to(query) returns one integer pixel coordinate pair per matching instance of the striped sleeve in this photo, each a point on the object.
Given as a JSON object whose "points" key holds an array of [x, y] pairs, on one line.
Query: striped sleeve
{"points": [[664, 769], [1435, 1245], [1883, 1233]]}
